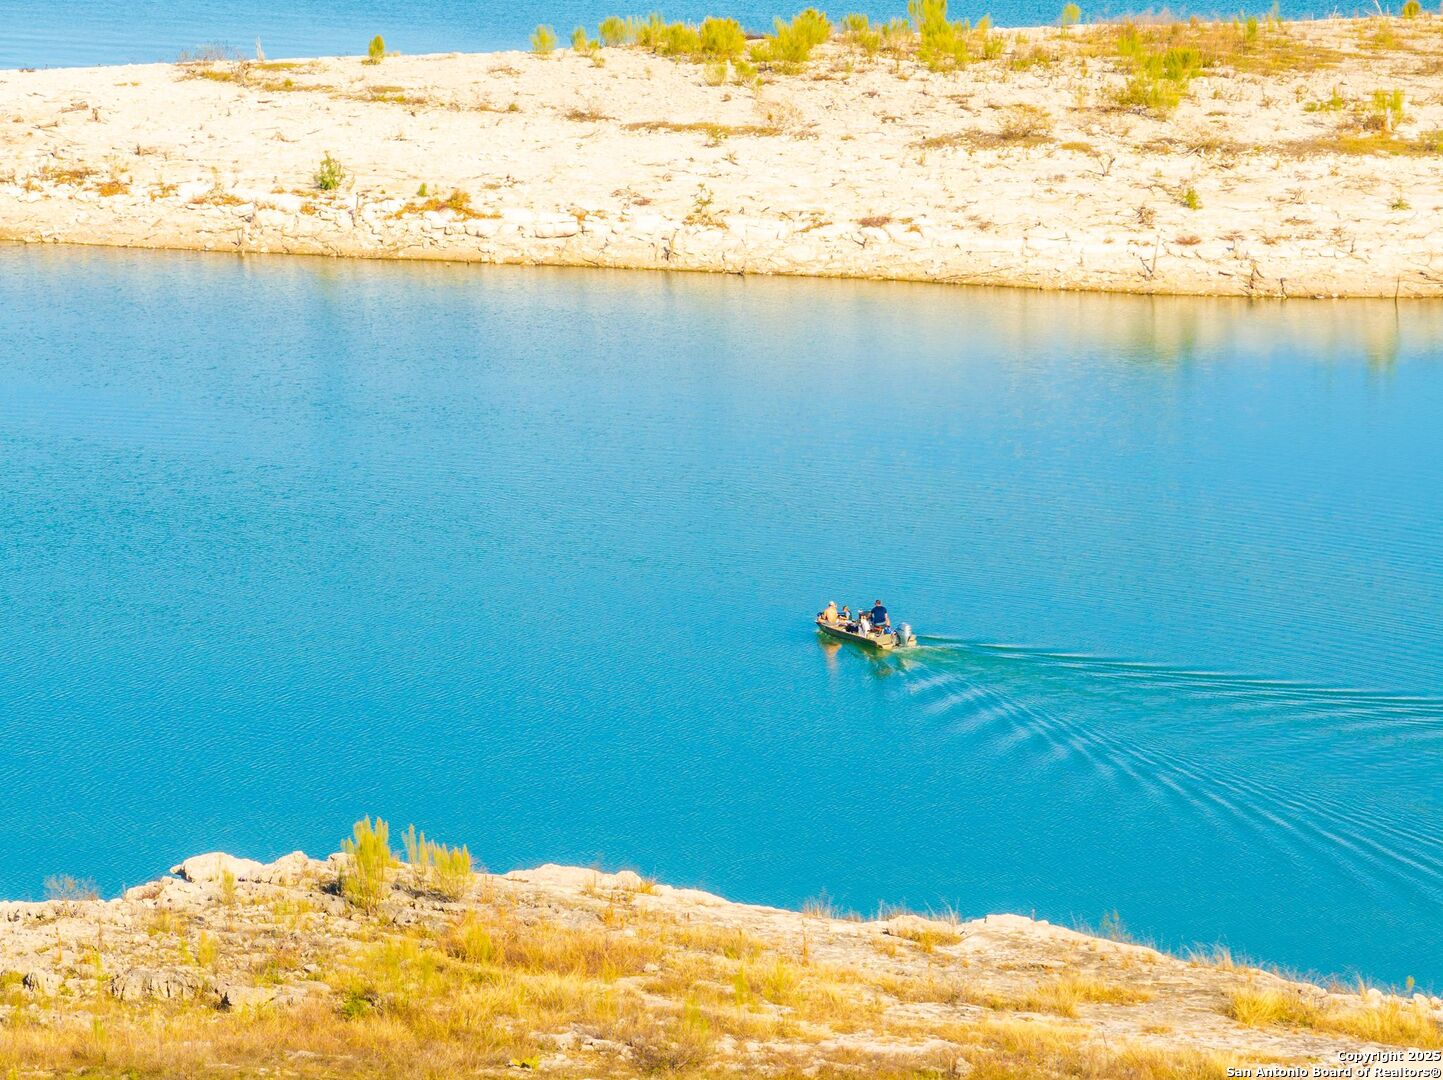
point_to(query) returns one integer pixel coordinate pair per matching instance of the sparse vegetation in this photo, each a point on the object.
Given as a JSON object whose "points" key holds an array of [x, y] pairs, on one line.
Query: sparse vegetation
{"points": [[365, 875], [614, 31], [1024, 123], [1385, 112], [1160, 74], [713, 132], [330, 174], [543, 40], [790, 44], [65, 887], [1071, 16], [445, 871], [376, 51], [944, 44]]}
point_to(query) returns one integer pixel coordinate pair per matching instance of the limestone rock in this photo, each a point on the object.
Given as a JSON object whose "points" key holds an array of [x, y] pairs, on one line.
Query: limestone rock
{"points": [[139, 984], [235, 996], [213, 866], [151, 890], [42, 982], [288, 869], [556, 227]]}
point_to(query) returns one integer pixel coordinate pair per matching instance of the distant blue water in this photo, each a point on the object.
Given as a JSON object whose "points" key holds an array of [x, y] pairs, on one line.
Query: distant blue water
{"points": [[529, 558], [55, 33]]}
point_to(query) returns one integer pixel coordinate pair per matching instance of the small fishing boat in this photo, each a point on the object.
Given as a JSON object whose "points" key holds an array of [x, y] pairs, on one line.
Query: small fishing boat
{"points": [[903, 638]]}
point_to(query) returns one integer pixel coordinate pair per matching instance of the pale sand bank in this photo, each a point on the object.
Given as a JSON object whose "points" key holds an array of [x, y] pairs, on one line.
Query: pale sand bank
{"points": [[1018, 170], [237, 968]]}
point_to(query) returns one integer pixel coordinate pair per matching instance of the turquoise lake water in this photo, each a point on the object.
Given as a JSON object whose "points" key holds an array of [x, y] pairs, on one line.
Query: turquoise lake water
{"points": [[48, 33], [529, 558]]}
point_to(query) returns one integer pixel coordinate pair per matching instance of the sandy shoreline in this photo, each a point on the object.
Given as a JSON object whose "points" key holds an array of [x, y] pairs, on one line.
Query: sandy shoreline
{"points": [[1020, 170]]}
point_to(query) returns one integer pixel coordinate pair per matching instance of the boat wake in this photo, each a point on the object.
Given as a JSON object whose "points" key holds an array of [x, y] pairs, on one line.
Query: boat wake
{"points": [[1309, 770]]}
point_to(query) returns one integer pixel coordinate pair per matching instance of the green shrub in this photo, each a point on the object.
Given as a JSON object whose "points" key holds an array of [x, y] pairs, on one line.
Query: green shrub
{"points": [[580, 43], [791, 44], [943, 44], [857, 29], [722, 39], [443, 870], [1189, 199], [377, 50], [451, 869], [614, 30], [1412, 9], [1386, 111], [331, 174], [647, 32], [365, 875], [543, 40], [897, 35], [1071, 15], [1160, 76]]}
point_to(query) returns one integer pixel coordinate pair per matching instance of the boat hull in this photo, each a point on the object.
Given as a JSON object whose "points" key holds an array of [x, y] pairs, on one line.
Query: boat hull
{"points": [[880, 642]]}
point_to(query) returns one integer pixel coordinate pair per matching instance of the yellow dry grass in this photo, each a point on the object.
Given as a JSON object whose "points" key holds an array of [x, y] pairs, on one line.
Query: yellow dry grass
{"points": [[1389, 1021]]}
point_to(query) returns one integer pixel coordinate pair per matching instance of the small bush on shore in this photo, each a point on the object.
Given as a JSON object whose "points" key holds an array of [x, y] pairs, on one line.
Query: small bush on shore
{"points": [[722, 38], [365, 877], [543, 40], [443, 870], [331, 174], [582, 45], [790, 44], [944, 45], [858, 32], [1385, 111], [1071, 16], [711, 39], [65, 887], [614, 30], [1160, 72], [376, 52], [1025, 123], [1412, 9]]}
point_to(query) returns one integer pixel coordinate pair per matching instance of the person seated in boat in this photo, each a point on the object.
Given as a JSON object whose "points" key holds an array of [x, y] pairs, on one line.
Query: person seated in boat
{"points": [[864, 624], [829, 613], [846, 614], [879, 618]]}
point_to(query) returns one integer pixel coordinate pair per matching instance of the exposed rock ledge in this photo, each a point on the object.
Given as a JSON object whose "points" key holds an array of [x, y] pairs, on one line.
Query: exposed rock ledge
{"points": [[237, 967], [1021, 170]]}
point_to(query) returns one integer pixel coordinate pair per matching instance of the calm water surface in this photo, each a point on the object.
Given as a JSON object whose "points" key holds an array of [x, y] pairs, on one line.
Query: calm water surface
{"points": [[44, 33], [529, 557]]}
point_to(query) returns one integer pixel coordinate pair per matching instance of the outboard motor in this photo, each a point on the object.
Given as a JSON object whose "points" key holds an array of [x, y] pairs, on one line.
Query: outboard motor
{"points": [[905, 637]]}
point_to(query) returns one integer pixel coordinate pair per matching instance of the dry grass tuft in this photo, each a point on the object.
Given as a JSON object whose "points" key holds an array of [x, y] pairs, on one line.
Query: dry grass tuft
{"points": [[713, 131]]}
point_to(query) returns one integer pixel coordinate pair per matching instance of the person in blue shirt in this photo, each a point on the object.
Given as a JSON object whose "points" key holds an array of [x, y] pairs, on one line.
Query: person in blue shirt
{"points": [[879, 617]]}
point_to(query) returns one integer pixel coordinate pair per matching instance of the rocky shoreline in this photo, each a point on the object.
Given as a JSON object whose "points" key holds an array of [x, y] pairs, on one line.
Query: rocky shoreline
{"points": [[236, 967], [1271, 177]]}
